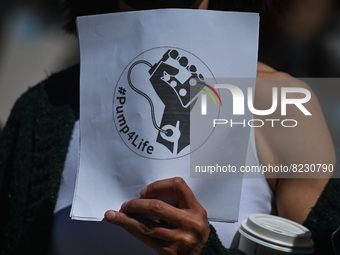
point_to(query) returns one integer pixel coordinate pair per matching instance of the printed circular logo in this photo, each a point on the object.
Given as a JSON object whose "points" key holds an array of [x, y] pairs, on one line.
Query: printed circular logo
{"points": [[157, 103]]}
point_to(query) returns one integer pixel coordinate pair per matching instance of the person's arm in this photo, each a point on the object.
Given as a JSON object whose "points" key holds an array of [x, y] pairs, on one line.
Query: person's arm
{"points": [[307, 143]]}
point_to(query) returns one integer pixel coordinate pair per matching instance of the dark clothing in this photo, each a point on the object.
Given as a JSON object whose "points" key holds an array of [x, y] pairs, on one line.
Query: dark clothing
{"points": [[34, 145]]}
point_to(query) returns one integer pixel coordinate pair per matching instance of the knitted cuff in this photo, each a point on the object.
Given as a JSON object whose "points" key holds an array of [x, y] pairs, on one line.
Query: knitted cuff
{"points": [[324, 218], [214, 246]]}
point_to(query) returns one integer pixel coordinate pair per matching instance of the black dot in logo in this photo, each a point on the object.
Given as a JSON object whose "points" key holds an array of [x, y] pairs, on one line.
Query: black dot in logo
{"points": [[183, 61], [192, 68], [169, 133], [174, 54]]}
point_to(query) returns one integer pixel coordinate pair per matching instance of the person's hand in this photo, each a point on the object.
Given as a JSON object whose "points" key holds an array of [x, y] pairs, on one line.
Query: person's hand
{"points": [[186, 228]]}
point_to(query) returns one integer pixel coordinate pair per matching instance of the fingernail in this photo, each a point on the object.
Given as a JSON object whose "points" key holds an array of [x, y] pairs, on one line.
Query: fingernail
{"points": [[123, 207], [143, 191], [110, 216]]}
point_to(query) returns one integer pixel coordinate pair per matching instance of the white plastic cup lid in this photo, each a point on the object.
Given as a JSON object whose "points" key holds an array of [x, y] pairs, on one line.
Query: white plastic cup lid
{"points": [[278, 231]]}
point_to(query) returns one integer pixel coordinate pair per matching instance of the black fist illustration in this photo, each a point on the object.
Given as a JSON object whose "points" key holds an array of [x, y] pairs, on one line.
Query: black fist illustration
{"points": [[173, 79]]}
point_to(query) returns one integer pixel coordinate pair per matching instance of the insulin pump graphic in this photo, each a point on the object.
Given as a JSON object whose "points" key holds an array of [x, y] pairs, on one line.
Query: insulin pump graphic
{"points": [[177, 84]]}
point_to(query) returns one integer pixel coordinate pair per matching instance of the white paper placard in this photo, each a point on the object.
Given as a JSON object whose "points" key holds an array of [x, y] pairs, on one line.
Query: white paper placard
{"points": [[142, 79]]}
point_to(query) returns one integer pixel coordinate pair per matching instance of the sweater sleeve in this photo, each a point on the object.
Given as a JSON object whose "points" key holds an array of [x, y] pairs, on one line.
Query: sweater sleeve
{"points": [[15, 161], [214, 246], [324, 217], [33, 148]]}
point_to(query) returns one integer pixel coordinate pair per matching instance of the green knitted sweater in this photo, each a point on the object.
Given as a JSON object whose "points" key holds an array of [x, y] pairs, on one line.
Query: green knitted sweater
{"points": [[33, 148], [34, 145]]}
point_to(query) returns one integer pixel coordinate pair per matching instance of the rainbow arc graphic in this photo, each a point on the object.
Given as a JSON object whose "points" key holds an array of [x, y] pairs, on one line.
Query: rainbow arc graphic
{"points": [[210, 94]]}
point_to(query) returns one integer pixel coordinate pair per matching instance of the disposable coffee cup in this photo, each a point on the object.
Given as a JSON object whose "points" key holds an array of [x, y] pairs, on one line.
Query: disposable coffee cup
{"points": [[263, 234]]}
